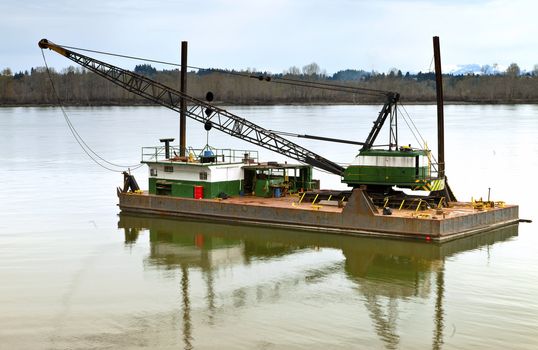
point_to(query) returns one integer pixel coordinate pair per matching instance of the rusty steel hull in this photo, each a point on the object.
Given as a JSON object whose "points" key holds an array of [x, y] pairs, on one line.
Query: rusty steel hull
{"points": [[358, 217]]}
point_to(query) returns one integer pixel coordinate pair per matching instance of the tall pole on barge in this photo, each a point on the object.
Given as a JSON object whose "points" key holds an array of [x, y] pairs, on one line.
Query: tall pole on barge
{"points": [[183, 103], [440, 110]]}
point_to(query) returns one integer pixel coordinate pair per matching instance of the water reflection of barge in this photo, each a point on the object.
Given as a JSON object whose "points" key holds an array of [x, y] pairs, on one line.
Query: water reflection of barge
{"points": [[384, 271], [185, 233]]}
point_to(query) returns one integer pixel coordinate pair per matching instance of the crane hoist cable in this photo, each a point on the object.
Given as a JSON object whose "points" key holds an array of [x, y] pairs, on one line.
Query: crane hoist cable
{"points": [[85, 147], [199, 110], [415, 131], [261, 77], [406, 114], [391, 98]]}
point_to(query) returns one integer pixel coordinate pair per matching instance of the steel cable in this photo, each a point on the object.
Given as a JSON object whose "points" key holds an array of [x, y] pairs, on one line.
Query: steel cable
{"points": [[85, 147], [278, 80]]}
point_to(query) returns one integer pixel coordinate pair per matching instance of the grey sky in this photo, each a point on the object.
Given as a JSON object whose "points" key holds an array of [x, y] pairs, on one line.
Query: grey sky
{"points": [[276, 34]]}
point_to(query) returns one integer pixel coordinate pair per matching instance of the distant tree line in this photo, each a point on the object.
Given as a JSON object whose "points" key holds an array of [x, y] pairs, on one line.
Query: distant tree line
{"points": [[77, 86]]}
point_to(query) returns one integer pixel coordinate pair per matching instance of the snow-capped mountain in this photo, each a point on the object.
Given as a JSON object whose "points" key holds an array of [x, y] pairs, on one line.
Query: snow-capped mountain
{"points": [[465, 69]]}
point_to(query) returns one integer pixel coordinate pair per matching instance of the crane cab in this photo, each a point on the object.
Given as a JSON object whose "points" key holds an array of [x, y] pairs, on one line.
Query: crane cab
{"points": [[405, 168]]}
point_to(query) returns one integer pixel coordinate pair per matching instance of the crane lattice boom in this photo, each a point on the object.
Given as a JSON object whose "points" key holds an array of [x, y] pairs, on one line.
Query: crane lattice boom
{"points": [[199, 110]]}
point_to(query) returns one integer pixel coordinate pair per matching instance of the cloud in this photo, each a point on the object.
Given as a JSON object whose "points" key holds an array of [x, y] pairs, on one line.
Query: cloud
{"points": [[274, 35]]}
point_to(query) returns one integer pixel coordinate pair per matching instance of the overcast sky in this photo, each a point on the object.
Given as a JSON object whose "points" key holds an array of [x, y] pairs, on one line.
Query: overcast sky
{"points": [[273, 35]]}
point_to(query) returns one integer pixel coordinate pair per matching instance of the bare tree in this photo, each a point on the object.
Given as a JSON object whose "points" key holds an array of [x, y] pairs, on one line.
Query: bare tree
{"points": [[311, 69], [293, 70], [393, 72], [513, 70]]}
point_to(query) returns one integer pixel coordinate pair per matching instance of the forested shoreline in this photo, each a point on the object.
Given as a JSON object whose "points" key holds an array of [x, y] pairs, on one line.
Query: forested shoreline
{"points": [[79, 87]]}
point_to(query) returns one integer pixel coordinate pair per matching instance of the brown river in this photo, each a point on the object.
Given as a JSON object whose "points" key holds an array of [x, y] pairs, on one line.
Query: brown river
{"points": [[76, 275]]}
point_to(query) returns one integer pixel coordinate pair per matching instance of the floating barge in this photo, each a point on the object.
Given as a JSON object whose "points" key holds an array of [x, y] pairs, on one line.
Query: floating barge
{"points": [[358, 217], [218, 187]]}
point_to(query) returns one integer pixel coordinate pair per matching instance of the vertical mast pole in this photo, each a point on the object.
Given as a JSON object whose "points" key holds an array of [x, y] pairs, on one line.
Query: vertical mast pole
{"points": [[440, 111], [183, 103]]}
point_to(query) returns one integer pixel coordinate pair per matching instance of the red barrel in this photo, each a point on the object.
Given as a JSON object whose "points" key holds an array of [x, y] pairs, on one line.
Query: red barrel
{"points": [[198, 192]]}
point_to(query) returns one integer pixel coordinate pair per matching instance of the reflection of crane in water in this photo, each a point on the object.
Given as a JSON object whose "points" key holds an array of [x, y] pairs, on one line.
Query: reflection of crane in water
{"points": [[384, 280], [192, 250], [439, 312], [187, 332], [385, 272], [385, 324]]}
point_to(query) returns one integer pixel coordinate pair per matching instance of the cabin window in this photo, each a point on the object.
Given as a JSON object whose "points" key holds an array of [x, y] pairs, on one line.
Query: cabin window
{"points": [[203, 175], [168, 169], [153, 172]]}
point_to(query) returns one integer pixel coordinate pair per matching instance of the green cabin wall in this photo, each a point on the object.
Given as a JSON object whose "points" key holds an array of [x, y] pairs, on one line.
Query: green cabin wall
{"points": [[185, 189], [373, 175], [403, 176]]}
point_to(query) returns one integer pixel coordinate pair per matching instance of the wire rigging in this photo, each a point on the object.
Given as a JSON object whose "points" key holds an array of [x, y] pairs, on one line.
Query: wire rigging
{"points": [[414, 126], [411, 129], [85, 147], [431, 64], [423, 143], [278, 80]]}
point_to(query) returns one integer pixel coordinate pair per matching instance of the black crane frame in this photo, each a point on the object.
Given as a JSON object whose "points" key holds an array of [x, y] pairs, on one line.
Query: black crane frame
{"points": [[198, 110]]}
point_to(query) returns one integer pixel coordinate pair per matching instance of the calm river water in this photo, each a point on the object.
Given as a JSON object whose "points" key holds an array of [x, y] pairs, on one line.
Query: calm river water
{"points": [[76, 275]]}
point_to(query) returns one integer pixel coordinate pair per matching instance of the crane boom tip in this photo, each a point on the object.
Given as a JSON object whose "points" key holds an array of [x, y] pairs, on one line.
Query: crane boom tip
{"points": [[43, 43], [46, 44]]}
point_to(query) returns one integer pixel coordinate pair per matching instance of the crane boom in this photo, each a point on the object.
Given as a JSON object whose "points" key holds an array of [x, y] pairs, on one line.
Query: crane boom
{"points": [[198, 110], [388, 108]]}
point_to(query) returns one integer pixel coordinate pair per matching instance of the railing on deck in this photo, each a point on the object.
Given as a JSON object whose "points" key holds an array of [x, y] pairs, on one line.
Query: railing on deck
{"points": [[205, 155]]}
